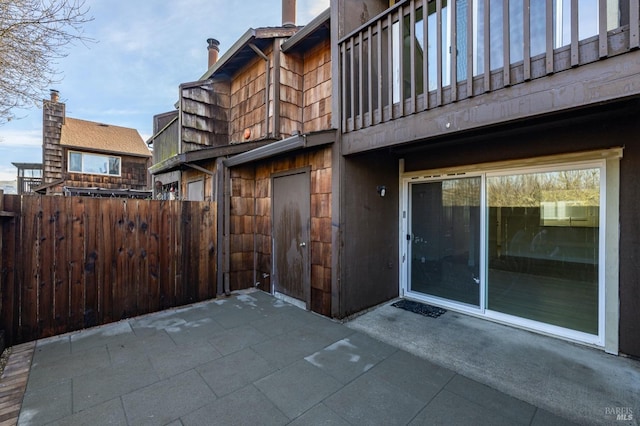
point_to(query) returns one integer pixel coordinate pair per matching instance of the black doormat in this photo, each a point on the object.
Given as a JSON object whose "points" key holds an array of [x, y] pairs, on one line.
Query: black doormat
{"points": [[419, 308]]}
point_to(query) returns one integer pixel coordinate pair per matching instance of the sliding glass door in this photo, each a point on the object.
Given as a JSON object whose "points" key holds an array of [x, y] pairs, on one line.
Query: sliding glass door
{"points": [[522, 246]]}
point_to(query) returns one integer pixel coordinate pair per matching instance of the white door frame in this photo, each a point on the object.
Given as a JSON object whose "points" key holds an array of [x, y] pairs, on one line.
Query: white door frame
{"points": [[608, 264]]}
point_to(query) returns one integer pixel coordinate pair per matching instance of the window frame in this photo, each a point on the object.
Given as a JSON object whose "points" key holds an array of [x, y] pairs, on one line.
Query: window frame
{"points": [[608, 282], [82, 163]]}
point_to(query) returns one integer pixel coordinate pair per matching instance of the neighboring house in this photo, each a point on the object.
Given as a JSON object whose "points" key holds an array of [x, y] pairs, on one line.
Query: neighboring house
{"points": [[485, 161], [91, 159]]}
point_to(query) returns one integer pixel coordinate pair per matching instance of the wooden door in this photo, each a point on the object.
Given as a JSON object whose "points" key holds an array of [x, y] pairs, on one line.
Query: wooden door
{"points": [[291, 222]]}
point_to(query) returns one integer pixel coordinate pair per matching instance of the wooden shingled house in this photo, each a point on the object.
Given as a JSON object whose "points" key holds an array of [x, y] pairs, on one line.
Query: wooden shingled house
{"points": [[88, 158], [254, 135], [484, 160]]}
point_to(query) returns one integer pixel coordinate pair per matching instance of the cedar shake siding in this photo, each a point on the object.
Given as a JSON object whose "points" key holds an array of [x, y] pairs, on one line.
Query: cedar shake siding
{"points": [[248, 102], [250, 227], [317, 88]]}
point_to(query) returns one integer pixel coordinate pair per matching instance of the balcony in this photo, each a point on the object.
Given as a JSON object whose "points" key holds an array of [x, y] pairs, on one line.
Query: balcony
{"points": [[402, 63]]}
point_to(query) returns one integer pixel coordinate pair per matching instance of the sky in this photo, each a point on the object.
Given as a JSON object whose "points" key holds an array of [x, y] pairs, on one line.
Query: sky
{"points": [[143, 51]]}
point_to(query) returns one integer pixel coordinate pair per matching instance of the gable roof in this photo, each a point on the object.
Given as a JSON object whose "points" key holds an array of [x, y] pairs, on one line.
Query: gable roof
{"points": [[99, 137]]}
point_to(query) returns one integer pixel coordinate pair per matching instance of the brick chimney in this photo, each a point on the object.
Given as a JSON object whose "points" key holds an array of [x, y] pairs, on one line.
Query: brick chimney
{"points": [[288, 13], [213, 48]]}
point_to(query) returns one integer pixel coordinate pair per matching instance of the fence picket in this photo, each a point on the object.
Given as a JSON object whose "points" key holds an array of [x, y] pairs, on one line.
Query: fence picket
{"points": [[80, 262]]}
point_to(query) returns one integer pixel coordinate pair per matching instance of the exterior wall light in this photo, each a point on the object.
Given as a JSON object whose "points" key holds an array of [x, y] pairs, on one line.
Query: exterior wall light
{"points": [[382, 190]]}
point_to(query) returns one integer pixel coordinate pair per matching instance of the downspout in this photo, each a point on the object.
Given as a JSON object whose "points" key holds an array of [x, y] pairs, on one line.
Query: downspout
{"points": [[276, 88], [255, 231], [220, 229], [180, 122], [266, 88], [227, 227]]}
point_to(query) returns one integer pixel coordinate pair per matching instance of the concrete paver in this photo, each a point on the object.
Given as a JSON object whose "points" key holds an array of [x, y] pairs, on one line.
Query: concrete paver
{"points": [[253, 359], [572, 381]]}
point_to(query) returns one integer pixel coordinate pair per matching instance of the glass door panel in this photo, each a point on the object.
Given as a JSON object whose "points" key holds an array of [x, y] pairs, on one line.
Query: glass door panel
{"points": [[543, 247], [445, 239]]}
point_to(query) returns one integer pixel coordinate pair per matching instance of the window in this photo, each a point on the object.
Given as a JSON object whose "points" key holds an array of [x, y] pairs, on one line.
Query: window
{"points": [[195, 190], [80, 162]]}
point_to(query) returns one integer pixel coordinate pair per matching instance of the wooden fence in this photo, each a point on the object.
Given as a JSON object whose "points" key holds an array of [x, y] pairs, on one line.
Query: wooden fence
{"points": [[74, 262]]}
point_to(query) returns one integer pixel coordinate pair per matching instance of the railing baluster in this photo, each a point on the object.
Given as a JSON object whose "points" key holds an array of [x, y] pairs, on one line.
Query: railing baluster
{"points": [[379, 73], [390, 64], [506, 43], [425, 53], [352, 95], [370, 74], [487, 45], [549, 38], [453, 49], [634, 11], [360, 82], [412, 49], [439, 52], [526, 37], [343, 77], [470, 38], [602, 29], [575, 54], [400, 48]]}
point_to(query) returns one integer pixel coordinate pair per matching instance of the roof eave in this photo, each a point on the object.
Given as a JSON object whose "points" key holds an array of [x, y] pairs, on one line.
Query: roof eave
{"points": [[106, 151], [248, 36], [306, 31]]}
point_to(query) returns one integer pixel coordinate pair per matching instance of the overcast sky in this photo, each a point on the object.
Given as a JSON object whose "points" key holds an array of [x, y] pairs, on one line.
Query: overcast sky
{"points": [[143, 51]]}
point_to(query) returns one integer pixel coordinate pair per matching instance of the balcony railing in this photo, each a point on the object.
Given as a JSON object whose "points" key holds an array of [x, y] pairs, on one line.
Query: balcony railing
{"points": [[26, 184], [405, 60]]}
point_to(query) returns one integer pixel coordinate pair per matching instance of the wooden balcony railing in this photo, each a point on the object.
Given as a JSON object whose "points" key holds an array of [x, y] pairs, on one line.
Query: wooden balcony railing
{"points": [[422, 54], [26, 184]]}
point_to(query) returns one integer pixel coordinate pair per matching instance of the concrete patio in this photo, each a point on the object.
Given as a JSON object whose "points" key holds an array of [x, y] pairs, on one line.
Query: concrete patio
{"points": [[253, 359]]}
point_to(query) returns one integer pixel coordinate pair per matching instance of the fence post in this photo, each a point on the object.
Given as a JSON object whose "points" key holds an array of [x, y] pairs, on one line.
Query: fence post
{"points": [[2, 283]]}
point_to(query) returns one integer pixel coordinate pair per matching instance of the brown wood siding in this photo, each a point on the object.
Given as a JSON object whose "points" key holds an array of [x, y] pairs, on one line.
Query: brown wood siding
{"points": [[205, 115], [290, 94], [251, 218], [75, 262], [247, 102], [242, 225], [370, 226], [317, 88]]}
